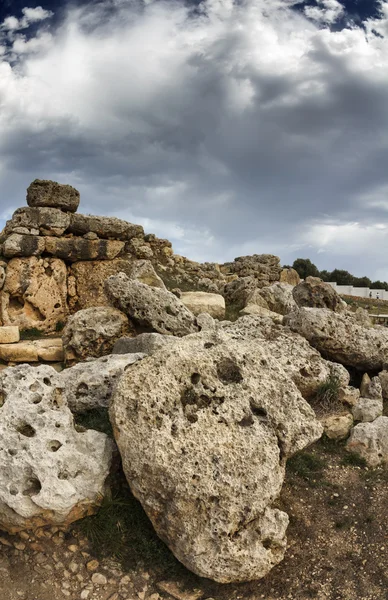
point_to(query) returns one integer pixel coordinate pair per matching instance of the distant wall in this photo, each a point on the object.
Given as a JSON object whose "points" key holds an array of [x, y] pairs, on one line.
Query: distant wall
{"points": [[363, 292]]}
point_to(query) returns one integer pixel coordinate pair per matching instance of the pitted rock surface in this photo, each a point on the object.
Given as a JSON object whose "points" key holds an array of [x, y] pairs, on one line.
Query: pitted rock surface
{"points": [[143, 271], [44, 193], [46, 221], [104, 227], [89, 385], [278, 298], [341, 338], [370, 440], [203, 302], [146, 343], [92, 332], [204, 428], [50, 473], [149, 307], [315, 293]]}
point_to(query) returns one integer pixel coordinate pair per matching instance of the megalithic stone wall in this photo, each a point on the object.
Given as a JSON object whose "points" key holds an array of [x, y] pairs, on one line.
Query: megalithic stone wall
{"points": [[54, 261]]}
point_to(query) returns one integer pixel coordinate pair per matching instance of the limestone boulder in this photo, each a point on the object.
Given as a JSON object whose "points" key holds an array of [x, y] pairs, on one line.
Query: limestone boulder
{"points": [[278, 298], [87, 279], [43, 221], [289, 276], [367, 409], [204, 428], [92, 332], [79, 249], [145, 343], [2, 275], [143, 271], [383, 376], [302, 363], [9, 334], [260, 311], [41, 350], [315, 293], [337, 427], [237, 291], [341, 338], [371, 388], [34, 294], [203, 302], [150, 308], [349, 395], [50, 473], [44, 193], [370, 441], [104, 227], [89, 385], [17, 245]]}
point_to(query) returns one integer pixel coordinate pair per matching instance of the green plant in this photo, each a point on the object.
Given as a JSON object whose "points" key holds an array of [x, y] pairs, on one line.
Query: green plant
{"points": [[354, 460], [97, 419], [31, 334], [306, 465], [59, 326], [326, 399]]}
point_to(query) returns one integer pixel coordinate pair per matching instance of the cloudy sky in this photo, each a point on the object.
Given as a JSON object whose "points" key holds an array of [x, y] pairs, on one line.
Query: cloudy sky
{"points": [[228, 126]]}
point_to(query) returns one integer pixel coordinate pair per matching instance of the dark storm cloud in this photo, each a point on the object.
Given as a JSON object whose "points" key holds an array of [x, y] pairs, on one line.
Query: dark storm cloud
{"points": [[241, 128]]}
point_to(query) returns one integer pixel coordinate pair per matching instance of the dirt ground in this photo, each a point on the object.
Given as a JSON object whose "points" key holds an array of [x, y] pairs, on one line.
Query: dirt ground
{"points": [[337, 547]]}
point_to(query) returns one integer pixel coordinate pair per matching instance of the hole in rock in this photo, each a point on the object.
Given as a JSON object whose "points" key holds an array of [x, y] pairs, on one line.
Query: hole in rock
{"points": [[2, 399], [16, 304], [47, 381], [208, 345], [54, 445], [33, 487], [82, 389], [34, 387], [58, 425], [36, 399], [267, 543], [258, 411], [12, 452], [57, 305], [246, 421], [26, 430], [48, 271], [228, 372], [195, 378], [63, 475], [13, 490]]}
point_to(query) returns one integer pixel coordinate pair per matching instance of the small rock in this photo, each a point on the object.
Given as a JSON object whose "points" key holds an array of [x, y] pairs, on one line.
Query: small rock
{"points": [[174, 590], [84, 594], [92, 565], [99, 579]]}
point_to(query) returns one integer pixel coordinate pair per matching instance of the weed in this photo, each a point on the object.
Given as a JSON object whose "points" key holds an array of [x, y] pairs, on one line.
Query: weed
{"points": [[326, 400], [306, 465], [31, 334], [354, 460], [59, 326]]}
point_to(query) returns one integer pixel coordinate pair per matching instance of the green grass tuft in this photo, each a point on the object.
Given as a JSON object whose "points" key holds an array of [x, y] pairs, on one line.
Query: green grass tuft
{"points": [[31, 334], [97, 419], [305, 465], [354, 460]]}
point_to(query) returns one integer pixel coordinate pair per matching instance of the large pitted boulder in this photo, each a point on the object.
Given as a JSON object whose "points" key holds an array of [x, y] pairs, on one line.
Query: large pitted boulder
{"points": [[86, 281], [341, 338], [34, 293], [92, 332], [76, 249], [370, 440], [50, 473], [256, 310], [44, 193], [145, 343], [237, 291], [302, 363], [315, 293], [277, 297], [18, 245], [89, 385], [143, 271], [203, 302], [38, 221], [289, 276], [104, 227], [149, 307], [204, 428], [383, 376]]}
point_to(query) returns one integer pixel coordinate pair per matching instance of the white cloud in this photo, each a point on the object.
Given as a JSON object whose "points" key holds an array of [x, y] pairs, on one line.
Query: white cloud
{"points": [[235, 126]]}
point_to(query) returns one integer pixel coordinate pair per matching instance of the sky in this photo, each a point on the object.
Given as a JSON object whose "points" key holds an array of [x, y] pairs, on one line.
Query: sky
{"points": [[230, 127]]}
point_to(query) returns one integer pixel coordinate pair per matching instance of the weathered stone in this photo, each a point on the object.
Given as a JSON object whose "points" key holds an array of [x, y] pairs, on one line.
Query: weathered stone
{"points": [[371, 388], [47, 350], [289, 276], [143, 271], [370, 441], [236, 292], [77, 249], [341, 338], [337, 427], [50, 193], [278, 298], [92, 332], [23, 245], [315, 293], [254, 309], [2, 277], [104, 227], [46, 221], [204, 428], [203, 302], [50, 474], [145, 343], [383, 376], [349, 395], [88, 279], [206, 322], [367, 409], [265, 268], [9, 334], [302, 363], [34, 294], [89, 385], [149, 307]]}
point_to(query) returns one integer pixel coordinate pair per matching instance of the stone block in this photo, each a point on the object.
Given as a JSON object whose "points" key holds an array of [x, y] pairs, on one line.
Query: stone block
{"points": [[50, 193], [9, 334]]}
